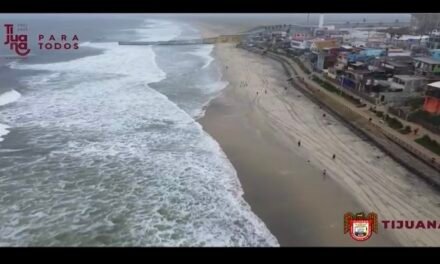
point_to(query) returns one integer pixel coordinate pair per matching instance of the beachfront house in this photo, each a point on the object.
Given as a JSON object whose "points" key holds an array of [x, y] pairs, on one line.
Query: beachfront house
{"points": [[427, 67], [401, 88], [407, 83], [406, 41], [300, 42], [326, 52], [376, 39], [398, 65], [434, 40], [354, 79], [432, 98], [435, 54], [397, 52]]}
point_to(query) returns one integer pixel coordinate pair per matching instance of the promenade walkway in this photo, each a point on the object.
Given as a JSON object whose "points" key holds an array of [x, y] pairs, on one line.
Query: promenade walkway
{"points": [[364, 111], [416, 159]]}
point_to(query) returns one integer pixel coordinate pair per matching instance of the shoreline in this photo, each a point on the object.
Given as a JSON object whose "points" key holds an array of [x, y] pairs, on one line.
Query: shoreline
{"points": [[274, 188], [259, 135]]}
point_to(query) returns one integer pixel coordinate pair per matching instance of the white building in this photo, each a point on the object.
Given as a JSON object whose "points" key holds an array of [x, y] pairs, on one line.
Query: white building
{"points": [[407, 83]]}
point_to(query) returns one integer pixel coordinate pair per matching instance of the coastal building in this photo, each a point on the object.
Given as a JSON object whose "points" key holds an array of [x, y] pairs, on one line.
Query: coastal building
{"points": [[407, 83], [354, 78], [434, 40], [300, 41], [342, 60], [326, 52], [406, 41], [435, 54], [398, 65], [427, 67], [399, 89], [397, 52], [376, 39], [432, 98]]}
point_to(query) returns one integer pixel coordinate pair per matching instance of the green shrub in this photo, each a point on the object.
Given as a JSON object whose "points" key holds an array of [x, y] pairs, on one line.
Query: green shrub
{"points": [[429, 143], [331, 88], [393, 122], [301, 65], [406, 130], [426, 117]]}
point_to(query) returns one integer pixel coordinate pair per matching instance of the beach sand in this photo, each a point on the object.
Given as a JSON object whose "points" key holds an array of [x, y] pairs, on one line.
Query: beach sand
{"points": [[299, 205], [284, 184]]}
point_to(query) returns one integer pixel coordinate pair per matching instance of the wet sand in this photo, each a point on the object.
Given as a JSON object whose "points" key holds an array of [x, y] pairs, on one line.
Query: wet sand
{"points": [[299, 205]]}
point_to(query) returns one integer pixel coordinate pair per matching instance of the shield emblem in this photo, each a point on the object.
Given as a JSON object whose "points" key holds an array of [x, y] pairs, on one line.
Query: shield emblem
{"points": [[361, 227]]}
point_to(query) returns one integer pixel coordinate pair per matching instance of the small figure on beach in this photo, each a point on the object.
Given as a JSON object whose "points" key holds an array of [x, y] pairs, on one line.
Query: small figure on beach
{"points": [[299, 143], [334, 156], [370, 119], [323, 115], [324, 174]]}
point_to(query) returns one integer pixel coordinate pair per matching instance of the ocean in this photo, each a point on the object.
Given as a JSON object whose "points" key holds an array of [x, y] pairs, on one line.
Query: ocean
{"points": [[101, 147]]}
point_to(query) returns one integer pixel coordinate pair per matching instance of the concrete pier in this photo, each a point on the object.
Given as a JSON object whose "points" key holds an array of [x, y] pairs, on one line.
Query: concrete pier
{"points": [[213, 40]]}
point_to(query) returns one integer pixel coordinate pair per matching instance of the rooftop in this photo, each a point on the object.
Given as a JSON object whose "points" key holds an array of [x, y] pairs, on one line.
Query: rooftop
{"points": [[409, 77], [427, 60], [397, 63], [322, 44], [435, 85], [409, 37]]}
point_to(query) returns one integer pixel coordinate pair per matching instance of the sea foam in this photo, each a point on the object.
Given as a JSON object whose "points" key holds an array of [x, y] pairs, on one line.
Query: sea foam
{"points": [[118, 163]]}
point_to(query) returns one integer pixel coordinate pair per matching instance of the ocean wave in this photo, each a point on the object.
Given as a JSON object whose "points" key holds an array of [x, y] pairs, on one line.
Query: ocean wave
{"points": [[118, 163], [3, 131], [7, 98]]}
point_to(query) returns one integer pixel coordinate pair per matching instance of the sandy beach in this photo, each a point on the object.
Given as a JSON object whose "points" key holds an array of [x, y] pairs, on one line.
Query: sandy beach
{"points": [[284, 183]]}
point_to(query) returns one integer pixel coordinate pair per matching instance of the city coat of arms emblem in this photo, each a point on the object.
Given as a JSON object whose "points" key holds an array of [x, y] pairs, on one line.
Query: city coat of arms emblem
{"points": [[360, 226]]}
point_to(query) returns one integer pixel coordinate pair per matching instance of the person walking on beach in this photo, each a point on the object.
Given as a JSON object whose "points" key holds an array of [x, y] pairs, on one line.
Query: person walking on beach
{"points": [[334, 156], [324, 174], [299, 143], [265, 91]]}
